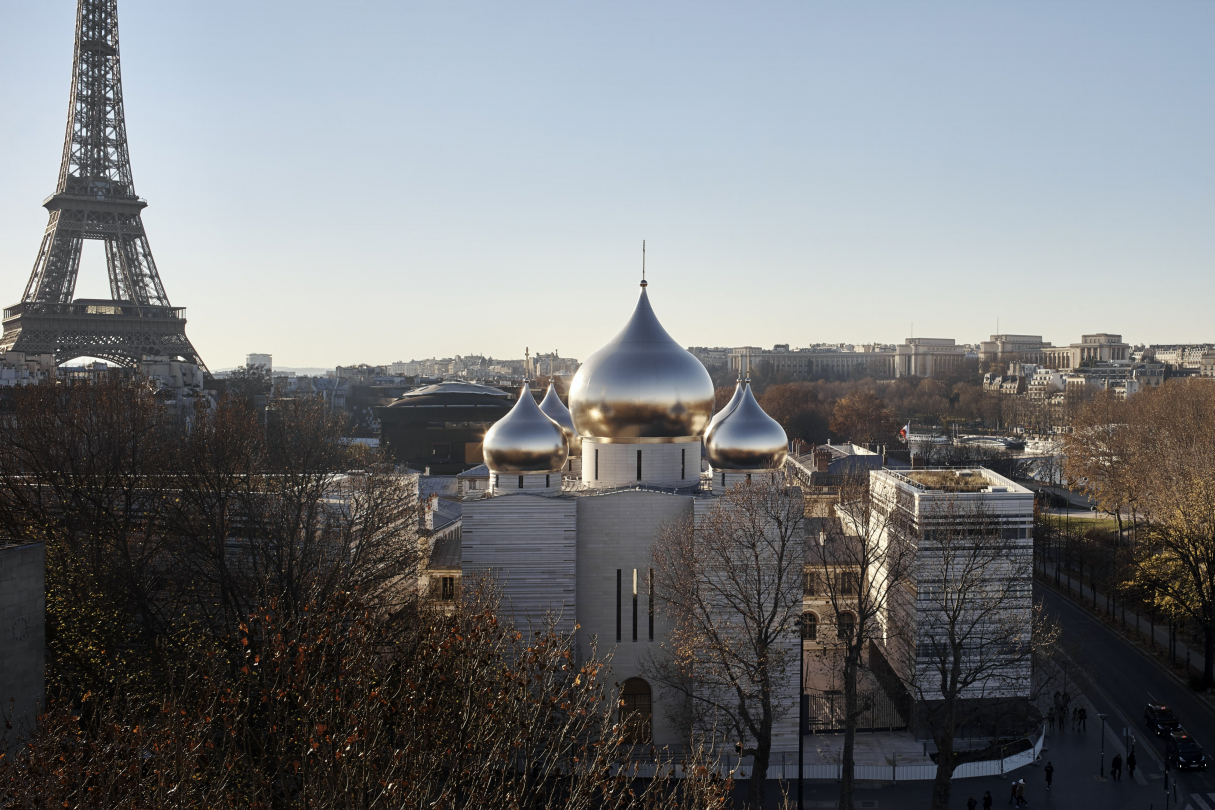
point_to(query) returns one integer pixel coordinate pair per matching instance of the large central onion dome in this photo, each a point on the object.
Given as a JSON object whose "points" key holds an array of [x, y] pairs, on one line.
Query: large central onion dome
{"points": [[642, 385], [746, 438], [525, 440], [555, 409]]}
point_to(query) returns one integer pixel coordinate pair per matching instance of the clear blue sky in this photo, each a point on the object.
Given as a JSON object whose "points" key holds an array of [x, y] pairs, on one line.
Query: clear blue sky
{"points": [[373, 181]]}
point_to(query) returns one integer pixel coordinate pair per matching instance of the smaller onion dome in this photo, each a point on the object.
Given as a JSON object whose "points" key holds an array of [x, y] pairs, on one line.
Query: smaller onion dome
{"points": [[555, 409], [729, 406], [525, 440], [746, 438]]}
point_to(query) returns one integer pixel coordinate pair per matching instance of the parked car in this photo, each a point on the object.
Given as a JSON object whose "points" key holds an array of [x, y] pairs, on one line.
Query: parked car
{"points": [[1160, 719], [1182, 753]]}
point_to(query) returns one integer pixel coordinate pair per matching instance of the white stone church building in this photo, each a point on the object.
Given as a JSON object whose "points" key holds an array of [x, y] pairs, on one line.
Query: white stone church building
{"points": [[575, 498]]}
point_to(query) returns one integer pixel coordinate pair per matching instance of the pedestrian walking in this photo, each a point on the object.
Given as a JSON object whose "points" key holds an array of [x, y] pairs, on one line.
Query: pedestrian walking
{"points": [[1021, 793], [1116, 767], [1050, 719], [1083, 718], [1130, 764], [987, 800], [971, 804], [1012, 797], [1049, 770], [1075, 719]]}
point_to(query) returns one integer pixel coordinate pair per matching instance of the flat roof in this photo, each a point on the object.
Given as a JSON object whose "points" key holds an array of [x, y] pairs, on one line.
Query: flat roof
{"points": [[964, 480]]}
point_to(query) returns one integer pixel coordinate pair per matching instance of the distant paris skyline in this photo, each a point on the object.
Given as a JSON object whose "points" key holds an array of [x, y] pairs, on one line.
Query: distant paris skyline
{"points": [[380, 181]]}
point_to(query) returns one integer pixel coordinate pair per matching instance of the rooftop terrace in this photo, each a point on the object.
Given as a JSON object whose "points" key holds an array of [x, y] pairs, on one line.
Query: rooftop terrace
{"points": [[949, 480]]}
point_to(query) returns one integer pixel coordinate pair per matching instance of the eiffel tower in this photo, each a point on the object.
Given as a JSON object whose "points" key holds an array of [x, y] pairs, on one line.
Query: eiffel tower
{"points": [[95, 199]]}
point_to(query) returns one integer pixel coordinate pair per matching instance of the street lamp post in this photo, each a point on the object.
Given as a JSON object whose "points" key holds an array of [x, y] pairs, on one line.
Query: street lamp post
{"points": [[1102, 716]]}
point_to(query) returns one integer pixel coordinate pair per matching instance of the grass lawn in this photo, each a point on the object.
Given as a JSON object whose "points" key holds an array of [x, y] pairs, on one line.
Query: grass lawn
{"points": [[1082, 524]]}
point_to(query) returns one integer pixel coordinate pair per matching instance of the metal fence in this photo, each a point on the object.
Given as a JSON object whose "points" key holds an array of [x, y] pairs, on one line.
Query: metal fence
{"points": [[878, 713]]}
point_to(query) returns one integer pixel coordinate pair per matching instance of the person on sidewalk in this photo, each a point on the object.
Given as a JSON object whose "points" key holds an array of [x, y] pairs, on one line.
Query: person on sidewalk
{"points": [[1050, 719], [971, 804], [1049, 770], [1012, 796], [1116, 767], [1130, 764], [1083, 718], [987, 800], [1021, 793]]}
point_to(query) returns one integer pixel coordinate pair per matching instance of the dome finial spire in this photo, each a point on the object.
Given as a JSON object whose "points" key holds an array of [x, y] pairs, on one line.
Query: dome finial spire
{"points": [[643, 283]]}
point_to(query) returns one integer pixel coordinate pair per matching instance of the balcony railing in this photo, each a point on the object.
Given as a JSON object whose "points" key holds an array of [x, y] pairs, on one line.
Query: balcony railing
{"points": [[126, 309]]}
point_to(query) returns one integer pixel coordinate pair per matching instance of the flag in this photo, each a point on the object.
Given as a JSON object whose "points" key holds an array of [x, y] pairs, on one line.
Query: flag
{"points": [[905, 432]]}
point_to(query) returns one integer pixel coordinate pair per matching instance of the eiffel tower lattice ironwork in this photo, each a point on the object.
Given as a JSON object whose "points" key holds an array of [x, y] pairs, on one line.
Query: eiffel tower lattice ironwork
{"points": [[95, 199]]}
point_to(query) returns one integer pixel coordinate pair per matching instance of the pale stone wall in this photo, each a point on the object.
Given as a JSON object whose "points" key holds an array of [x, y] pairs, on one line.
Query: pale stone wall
{"points": [[784, 730], [615, 534], [514, 483], [526, 542], [665, 465]]}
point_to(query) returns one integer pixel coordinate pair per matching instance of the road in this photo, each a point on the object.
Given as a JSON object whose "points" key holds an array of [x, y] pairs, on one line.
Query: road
{"points": [[1126, 680]]}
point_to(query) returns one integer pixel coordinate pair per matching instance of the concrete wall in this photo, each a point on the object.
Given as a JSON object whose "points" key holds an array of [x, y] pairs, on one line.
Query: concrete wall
{"points": [[22, 630], [615, 533]]}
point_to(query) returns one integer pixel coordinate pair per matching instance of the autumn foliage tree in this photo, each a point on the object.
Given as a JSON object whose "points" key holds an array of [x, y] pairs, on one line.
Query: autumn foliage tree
{"points": [[862, 417], [1152, 459]]}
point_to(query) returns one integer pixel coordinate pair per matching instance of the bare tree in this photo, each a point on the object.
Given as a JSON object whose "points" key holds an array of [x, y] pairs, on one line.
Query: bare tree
{"points": [[855, 562], [731, 581], [317, 713], [966, 636], [289, 511], [82, 470]]}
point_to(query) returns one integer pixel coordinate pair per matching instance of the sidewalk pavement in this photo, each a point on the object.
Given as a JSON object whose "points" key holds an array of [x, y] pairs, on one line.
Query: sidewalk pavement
{"points": [[872, 748], [1077, 759]]}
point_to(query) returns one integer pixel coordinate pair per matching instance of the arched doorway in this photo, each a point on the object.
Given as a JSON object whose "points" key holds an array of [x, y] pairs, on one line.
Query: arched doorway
{"points": [[636, 711]]}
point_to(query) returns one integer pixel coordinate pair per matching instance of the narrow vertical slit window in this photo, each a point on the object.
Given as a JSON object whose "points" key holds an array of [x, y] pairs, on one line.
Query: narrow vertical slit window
{"points": [[596, 463], [546, 482], [521, 482], [634, 604], [618, 596], [638, 465], [650, 588], [683, 463], [497, 481]]}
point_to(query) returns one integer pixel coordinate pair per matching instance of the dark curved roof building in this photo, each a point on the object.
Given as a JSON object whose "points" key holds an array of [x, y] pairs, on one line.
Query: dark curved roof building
{"points": [[441, 426]]}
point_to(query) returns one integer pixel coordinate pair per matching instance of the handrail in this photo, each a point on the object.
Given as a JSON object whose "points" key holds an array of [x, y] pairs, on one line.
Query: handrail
{"points": [[128, 309]]}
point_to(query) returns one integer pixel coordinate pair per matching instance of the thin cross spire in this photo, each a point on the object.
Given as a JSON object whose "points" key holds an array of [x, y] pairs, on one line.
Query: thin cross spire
{"points": [[643, 283]]}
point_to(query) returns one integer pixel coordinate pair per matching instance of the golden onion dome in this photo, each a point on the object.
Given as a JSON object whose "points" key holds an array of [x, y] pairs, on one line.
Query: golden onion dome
{"points": [[729, 406], [525, 440], [555, 409], [746, 438], [642, 385]]}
